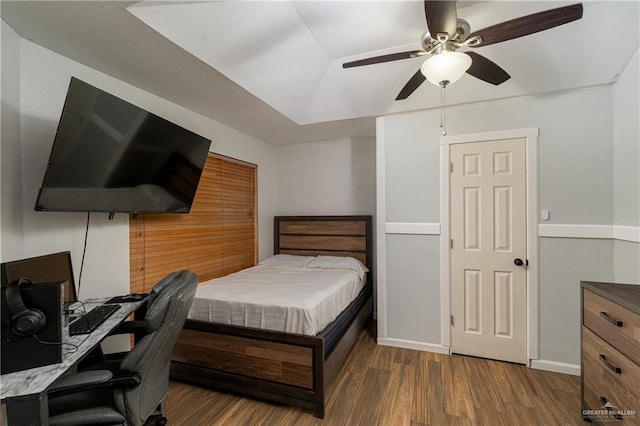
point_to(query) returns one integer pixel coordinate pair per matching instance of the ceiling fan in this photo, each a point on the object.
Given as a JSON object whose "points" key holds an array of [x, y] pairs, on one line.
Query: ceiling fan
{"points": [[446, 33]]}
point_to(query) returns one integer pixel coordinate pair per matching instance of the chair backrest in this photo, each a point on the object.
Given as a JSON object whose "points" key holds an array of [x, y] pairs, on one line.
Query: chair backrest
{"points": [[161, 286], [150, 358]]}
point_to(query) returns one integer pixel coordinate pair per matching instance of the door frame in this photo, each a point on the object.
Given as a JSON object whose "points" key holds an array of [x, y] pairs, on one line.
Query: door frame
{"points": [[533, 271]]}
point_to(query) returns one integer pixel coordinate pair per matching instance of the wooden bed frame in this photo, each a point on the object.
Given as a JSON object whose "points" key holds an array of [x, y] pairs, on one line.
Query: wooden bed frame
{"points": [[281, 367]]}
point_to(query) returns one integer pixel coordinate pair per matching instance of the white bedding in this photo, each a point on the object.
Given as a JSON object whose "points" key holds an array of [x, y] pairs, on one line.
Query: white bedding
{"points": [[281, 298]]}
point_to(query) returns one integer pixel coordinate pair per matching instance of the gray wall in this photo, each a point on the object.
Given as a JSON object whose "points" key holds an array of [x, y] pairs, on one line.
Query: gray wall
{"points": [[576, 183], [626, 146], [626, 176], [412, 167], [335, 177], [626, 262], [414, 296], [575, 152], [564, 262], [10, 152]]}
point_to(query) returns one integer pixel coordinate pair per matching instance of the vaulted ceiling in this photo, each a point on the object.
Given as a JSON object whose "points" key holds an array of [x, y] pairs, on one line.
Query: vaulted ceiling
{"points": [[273, 69]]}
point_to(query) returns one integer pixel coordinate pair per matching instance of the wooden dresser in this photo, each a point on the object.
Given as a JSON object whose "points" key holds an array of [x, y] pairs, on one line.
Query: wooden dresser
{"points": [[610, 352]]}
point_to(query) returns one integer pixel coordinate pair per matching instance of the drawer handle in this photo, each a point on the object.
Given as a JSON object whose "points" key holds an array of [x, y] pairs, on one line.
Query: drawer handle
{"points": [[611, 320], [610, 366]]}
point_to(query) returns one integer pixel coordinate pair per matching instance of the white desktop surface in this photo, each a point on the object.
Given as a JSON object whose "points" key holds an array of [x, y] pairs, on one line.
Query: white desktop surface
{"points": [[37, 380]]}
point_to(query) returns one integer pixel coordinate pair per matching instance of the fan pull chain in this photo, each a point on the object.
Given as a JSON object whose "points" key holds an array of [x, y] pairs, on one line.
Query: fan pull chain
{"points": [[443, 125]]}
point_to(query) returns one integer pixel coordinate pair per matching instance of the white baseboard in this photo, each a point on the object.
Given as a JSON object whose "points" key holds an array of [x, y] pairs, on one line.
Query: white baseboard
{"points": [[538, 364], [411, 344], [556, 367]]}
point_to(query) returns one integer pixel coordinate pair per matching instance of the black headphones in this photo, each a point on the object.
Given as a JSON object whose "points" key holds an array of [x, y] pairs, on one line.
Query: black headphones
{"points": [[24, 321]]}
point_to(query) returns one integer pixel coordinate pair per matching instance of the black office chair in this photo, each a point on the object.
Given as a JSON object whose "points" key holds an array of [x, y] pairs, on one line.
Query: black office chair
{"points": [[133, 393]]}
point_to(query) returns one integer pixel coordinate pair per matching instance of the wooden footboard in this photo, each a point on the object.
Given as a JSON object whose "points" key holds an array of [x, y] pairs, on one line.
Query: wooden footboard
{"points": [[286, 363], [280, 367]]}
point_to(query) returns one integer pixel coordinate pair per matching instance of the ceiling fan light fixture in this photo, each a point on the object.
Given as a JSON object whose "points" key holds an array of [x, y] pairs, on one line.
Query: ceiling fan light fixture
{"points": [[446, 67]]}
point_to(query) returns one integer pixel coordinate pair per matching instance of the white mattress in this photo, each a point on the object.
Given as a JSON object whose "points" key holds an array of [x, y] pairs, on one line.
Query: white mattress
{"points": [[291, 299]]}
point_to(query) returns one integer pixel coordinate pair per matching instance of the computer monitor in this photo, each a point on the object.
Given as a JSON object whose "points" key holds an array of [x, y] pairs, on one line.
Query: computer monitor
{"points": [[50, 268]]}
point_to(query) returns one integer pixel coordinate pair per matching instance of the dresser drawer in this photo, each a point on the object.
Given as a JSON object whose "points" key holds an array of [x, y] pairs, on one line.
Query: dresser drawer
{"points": [[615, 324], [602, 382]]}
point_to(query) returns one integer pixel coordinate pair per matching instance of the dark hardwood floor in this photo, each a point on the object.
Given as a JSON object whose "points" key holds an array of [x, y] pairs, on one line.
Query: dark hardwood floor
{"points": [[381, 385]]}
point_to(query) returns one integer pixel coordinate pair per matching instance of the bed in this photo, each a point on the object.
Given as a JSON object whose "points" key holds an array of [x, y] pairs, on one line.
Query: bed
{"points": [[292, 363]]}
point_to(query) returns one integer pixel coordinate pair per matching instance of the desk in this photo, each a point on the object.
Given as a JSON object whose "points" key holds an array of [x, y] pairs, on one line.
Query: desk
{"points": [[24, 393]]}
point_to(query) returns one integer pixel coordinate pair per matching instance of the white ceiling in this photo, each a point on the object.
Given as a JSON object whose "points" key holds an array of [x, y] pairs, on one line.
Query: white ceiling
{"points": [[273, 68]]}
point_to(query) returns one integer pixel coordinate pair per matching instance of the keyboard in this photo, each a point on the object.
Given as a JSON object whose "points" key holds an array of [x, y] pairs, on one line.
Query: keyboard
{"points": [[92, 319]]}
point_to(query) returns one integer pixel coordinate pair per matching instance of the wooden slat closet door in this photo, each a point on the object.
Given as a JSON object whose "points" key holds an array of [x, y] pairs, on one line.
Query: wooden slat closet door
{"points": [[216, 238]]}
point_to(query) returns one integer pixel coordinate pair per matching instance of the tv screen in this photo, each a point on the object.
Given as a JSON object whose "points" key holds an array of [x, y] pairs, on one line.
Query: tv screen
{"points": [[111, 156]]}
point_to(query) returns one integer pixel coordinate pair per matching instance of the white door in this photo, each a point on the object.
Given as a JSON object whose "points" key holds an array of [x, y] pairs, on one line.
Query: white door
{"points": [[488, 232]]}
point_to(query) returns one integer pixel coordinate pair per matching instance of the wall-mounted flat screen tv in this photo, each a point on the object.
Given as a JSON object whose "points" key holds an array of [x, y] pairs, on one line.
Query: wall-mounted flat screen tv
{"points": [[111, 156]]}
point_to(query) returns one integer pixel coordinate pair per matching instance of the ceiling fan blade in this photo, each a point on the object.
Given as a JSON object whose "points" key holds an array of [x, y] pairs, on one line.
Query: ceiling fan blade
{"points": [[486, 70], [529, 24], [413, 83], [384, 58], [441, 17]]}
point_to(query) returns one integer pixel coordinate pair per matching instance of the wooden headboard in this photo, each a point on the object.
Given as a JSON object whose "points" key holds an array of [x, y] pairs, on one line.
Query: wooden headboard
{"points": [[325, 235]]}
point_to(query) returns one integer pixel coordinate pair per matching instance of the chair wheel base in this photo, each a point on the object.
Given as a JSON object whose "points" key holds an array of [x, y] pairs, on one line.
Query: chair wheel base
{"points": [[156, 420]]}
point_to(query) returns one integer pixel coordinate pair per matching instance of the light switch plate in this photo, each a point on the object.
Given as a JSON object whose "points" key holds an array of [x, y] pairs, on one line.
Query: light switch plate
{"points": [[545, 214]]}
